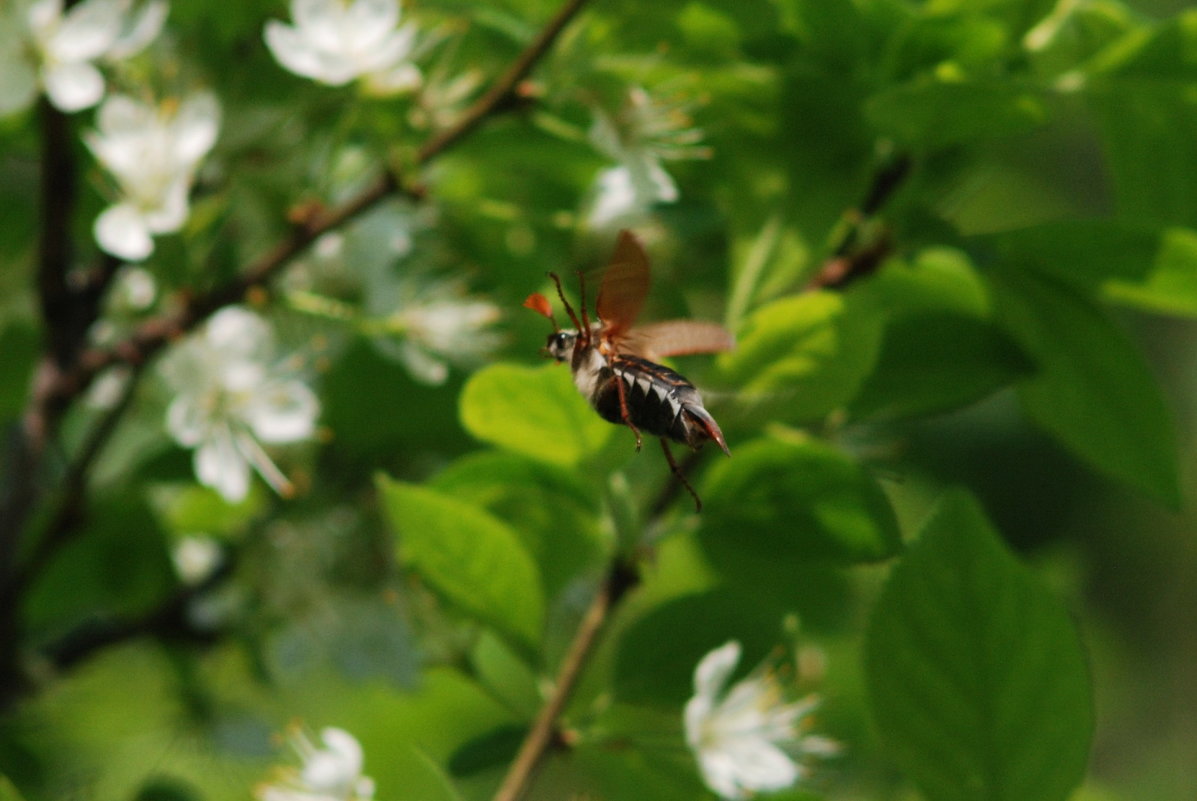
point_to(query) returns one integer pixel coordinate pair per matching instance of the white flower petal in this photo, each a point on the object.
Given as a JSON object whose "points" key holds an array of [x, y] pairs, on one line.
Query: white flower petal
{"points": [[195, 127], [716, 668], [186, 420], [368, 21], [423, 366], [73, 85], [143, 30], [219, 465], [170, 209], [87, 30], [238, 331], [283, 412], [292, 49], [121, 231], [44, 17]]}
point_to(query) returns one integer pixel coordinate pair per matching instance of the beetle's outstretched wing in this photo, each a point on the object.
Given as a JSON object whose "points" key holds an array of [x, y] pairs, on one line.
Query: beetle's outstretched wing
{"points": [[624, 287], [656, 341]]}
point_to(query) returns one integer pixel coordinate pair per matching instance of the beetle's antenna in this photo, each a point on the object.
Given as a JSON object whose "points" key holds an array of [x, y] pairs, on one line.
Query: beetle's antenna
{"points": [[568, 309], [585, 330]]}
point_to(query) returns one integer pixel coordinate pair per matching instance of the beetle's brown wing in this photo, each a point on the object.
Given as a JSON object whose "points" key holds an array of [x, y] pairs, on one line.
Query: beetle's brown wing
{"points": [[624, 287], [656, 341]]}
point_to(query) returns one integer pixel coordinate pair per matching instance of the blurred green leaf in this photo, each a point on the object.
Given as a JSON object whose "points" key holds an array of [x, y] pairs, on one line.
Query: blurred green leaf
{"points": [[535, 411], [1136, 265], [188, 508], [1092, 390], [554, 514], [939, 350], [474, 560], [931, 115], [935, 362], [488, 751], [978, 680], [802, 356], [797, 501], [119, 566], [8, 792], [658, 652]]}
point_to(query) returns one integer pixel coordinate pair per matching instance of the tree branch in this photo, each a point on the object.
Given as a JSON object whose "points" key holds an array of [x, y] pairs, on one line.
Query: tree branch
{"points": [[543, 733]]}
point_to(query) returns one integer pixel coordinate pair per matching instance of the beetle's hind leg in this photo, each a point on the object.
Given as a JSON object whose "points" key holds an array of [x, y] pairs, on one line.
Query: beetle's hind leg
{"points": [[626, 416], [680, 476]]}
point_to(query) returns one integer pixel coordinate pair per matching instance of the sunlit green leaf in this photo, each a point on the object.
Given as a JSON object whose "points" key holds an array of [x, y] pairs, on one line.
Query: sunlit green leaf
{"points": [[474, 560], [796, 501], [802, 356], [1091, 388], [552, 511], [977, 677], [535, 411]]}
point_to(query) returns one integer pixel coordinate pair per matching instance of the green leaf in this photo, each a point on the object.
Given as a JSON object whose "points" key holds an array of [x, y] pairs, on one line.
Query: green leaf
{"points": [[658, 652], [1169, 285], [939, 350], [535, 411], [9, 792], [933, 114], [801, 357], [976, 675], [796, 501], [474, 560], [1092, 391], [119, 566], [555, 513], [1151, 268], [935, 362]]}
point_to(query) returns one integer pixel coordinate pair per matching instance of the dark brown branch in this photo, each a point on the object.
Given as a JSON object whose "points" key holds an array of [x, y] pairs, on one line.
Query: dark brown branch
{"points": [[544, 731], [860, 252]]}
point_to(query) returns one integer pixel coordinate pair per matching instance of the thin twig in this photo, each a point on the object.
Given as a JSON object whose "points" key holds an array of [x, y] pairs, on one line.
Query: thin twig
{"points": [[543, 732]]}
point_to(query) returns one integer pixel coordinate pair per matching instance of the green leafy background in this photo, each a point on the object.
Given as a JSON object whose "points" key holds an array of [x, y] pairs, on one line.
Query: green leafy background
{"points": [[964, 479]]}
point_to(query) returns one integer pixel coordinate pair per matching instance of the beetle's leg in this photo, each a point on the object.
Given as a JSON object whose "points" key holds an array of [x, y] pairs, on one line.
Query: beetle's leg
{"points": [[678, 472], [621, 390]]}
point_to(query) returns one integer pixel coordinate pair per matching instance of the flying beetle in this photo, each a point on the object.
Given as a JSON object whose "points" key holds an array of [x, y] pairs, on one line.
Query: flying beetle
{"points": [[614, 363]]}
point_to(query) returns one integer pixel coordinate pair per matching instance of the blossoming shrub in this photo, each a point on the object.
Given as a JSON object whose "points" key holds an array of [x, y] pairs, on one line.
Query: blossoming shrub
{"points": [[281, 453]]}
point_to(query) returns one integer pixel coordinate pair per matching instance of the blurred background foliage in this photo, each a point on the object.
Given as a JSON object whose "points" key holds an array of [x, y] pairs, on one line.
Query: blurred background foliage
{"points": [[1011, 185]]}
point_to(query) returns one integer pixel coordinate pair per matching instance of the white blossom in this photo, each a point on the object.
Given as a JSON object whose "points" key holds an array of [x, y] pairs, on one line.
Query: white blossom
{"points": [[337, 41], [638, 138], [231, 395], [195, 558], [331, 772], [153, 153], [748, 738], [440, 328], [67, 44]]}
